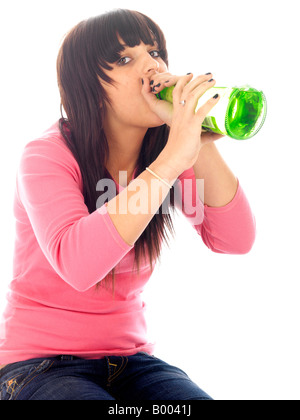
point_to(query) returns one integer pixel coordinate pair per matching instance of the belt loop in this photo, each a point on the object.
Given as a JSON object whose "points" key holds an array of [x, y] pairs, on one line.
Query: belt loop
{"points": [[66, 357]]}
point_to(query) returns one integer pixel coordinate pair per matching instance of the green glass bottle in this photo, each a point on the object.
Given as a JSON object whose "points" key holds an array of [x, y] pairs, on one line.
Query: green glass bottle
{"points": [[240, 112]]}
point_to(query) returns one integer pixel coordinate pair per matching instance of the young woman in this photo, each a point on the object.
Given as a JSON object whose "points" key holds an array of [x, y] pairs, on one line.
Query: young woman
{"points": [[74, 325]]}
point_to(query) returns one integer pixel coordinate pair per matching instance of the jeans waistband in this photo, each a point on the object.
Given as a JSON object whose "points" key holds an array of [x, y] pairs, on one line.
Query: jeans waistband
{"points": [[66, 357]]}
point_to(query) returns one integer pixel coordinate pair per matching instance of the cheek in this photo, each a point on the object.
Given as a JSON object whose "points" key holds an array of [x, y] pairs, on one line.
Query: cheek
{"points": [[162, 66]]}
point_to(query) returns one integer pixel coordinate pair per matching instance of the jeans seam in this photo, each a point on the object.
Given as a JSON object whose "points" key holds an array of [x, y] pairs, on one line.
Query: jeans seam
{"points": [[28, 381], [10, 384], [113, 376]]}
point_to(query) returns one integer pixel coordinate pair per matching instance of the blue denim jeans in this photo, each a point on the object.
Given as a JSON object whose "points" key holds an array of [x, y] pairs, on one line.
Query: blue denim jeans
{"points": [[138, 377]]}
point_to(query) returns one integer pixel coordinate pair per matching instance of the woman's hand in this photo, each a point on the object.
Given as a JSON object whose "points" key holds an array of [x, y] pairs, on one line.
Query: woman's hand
{"points": [[186, 138], [154, 85]]}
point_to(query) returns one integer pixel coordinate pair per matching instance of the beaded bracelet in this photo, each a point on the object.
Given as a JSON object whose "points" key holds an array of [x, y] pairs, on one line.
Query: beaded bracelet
{"points": [[158, 177]]}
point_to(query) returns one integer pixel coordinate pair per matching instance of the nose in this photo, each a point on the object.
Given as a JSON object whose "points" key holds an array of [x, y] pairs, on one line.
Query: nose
{"points": [[150, 66]]}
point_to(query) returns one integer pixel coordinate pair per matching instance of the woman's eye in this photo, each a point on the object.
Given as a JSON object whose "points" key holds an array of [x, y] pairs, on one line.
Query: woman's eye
{"points": [[154, 53], [123, 61]]}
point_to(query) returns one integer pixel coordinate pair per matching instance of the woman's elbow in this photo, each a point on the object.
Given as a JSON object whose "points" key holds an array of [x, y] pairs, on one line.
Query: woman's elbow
{"points": [[245, 242], [240, 244]]}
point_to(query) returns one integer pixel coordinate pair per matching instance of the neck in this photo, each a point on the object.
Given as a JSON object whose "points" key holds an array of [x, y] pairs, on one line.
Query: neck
{"points": [[124, 148]]}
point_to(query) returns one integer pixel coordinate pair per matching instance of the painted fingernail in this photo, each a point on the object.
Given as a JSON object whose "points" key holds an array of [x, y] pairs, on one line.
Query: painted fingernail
{"points": [[167, 81], [216, 96], [206, 74], [188, 74], [142, 81], [151, 83], [210, 80], [157, 85]]}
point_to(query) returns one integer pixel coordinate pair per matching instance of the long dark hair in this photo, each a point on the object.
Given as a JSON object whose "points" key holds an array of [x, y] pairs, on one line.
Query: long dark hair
{"points": [[86, 50]]}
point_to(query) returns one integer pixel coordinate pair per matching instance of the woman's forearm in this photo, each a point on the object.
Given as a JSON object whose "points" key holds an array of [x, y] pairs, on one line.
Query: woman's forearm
{"points": [[220, 184], [132, 210]]}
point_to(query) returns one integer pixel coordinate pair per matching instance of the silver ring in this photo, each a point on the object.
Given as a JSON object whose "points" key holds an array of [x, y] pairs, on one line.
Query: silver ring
{"points": [[182, 103]]}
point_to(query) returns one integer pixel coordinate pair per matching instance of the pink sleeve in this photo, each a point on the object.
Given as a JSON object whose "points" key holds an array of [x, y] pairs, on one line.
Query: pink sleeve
{"points": [[81, 247], [228, 230]]}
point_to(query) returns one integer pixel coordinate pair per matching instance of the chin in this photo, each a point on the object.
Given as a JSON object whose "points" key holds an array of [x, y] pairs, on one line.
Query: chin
{"points": [[156, 122], [156, 125]]}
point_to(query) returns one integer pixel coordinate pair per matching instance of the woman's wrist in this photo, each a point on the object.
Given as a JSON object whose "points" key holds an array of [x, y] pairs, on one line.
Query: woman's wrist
{"points": [[166, 169]]}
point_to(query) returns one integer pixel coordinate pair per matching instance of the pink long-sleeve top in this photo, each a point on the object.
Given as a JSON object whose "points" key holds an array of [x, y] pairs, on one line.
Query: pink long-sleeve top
{"points": [[62, 251]]}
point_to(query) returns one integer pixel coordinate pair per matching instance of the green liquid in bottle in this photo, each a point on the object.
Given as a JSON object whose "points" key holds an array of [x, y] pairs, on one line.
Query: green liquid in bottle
{"points": [[245, 109], [240, 113]]}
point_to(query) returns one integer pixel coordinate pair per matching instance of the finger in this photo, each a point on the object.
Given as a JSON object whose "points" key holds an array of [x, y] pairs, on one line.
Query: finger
{"points": [[197, 92], [197, 82], [147, 93], [163, 80], [177, 92], [207, 107]]}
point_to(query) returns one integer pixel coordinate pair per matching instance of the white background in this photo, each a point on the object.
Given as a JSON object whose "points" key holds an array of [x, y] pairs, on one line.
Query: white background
{"points": [[232, 322]]}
